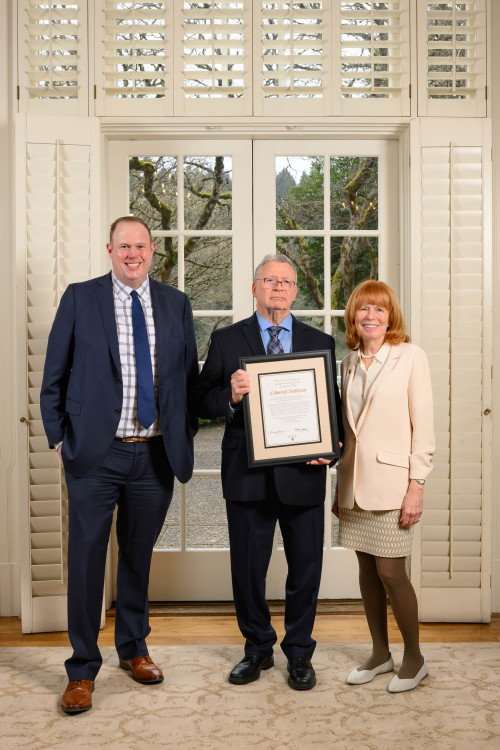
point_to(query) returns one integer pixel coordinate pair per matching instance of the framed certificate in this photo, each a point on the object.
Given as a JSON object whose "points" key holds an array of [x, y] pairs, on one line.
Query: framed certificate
{"points": [[290, 411]]}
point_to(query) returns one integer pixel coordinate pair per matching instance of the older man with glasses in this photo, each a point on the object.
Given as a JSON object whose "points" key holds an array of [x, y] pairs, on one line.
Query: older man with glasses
{"points": [[256, 498]]}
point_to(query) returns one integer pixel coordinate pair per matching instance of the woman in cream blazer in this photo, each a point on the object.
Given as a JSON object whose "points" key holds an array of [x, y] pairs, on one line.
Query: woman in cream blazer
{"points": [[389, 441]]}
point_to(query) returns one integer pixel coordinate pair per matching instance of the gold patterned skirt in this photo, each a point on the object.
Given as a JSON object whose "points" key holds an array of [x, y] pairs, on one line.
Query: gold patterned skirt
{"points": [[376, 532]]}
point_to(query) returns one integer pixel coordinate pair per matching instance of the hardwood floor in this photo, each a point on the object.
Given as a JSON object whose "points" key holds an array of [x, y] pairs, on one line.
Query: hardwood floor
{"points": [[206, 624]]}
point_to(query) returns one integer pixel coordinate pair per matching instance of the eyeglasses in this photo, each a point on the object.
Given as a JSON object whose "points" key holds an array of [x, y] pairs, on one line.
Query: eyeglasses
{"points": [[270, 282]]}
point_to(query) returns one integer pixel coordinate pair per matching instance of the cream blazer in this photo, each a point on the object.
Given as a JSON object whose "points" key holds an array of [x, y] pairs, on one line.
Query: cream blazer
{"points": [[393, 440]]}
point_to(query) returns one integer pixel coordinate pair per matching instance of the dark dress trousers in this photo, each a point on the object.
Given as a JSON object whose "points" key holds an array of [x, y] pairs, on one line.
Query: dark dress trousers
{"points": [[81, 400], [257, 498]]}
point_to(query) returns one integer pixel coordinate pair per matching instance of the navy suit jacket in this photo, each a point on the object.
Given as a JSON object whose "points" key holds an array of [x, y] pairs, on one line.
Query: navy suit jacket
{"points": [[82, 393], [296, 484]]}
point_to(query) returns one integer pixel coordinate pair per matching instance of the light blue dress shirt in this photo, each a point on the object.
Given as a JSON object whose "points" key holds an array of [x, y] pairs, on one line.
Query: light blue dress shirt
{"points": [[285, 336]]}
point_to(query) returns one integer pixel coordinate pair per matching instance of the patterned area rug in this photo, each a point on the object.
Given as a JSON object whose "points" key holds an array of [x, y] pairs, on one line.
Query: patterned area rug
{"points": [[455, 708]]}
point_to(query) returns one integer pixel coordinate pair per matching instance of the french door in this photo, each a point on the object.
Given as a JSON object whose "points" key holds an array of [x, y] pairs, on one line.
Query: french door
{"points": [[215, 209]]}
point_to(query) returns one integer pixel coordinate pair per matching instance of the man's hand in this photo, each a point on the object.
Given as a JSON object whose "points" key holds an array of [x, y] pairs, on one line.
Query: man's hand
{"points": [[321, 461], [240, 384], [413, 504], [59, 452]]}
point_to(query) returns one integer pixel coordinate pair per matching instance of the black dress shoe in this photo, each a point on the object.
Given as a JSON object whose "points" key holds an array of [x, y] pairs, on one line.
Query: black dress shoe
{"points": [[249, 669], [302, 676]]}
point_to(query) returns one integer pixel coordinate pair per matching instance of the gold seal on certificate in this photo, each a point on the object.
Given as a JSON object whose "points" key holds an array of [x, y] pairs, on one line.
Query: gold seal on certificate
{"points": [[290, 411]]}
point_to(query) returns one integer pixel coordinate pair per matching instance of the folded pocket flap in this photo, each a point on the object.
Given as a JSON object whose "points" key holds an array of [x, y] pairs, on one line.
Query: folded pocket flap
{"points": [[395, 459], [73, 407]]}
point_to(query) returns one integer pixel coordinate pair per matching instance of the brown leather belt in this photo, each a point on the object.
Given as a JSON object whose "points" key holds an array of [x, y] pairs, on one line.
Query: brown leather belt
{"points": [[135, 439]]}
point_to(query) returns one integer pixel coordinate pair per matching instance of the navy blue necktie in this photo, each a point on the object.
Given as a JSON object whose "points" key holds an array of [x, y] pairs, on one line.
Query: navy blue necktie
{"points": [[274, 345], [146, 410]]}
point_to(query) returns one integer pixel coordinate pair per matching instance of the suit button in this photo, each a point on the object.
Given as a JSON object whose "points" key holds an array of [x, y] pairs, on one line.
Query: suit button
{"points": [[117, 411]]}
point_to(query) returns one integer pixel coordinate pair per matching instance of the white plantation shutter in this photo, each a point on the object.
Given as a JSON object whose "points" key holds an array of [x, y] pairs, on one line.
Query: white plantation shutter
{"points": [[452, 58], [292, 57], [215, 53], [134, 54], [372, 58], [454, 289], [58, 218], [53, 56]]}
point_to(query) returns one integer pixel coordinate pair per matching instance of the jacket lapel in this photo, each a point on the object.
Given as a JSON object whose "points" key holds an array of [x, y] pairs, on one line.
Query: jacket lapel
{"points": [[251, 331], [300, 341], [160, 315], [107, 308], [346, 385], [390, 363]]}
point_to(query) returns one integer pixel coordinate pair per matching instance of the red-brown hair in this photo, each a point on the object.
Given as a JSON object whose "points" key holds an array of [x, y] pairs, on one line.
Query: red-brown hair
{"points": [[374, 293]]}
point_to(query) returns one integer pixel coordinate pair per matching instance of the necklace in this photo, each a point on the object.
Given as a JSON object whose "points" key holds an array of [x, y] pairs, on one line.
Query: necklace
{"points": [[366, 356]]}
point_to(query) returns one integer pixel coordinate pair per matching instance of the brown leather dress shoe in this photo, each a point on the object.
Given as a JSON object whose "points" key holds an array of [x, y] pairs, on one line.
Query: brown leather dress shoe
{"points": [[77, 696], [143, 669]]}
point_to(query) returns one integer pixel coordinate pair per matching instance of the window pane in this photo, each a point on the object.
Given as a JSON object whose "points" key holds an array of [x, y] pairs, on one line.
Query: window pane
{"points": [[207, 444], [207, 192], [338, 333], [153, 190], [164, 266], [307, 254], [203, 328], [314, 321], [353, 259], [170, 536], [299, 192], [206, 523], [353, 192], [208, 278]]}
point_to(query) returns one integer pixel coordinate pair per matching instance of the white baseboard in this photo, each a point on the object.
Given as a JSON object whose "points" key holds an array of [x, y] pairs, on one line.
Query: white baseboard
{"points": [[10, 596], [495, 585]]}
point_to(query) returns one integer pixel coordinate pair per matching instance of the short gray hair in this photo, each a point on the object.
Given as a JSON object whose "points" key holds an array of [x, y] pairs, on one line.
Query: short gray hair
{"points": [[280, 258]]}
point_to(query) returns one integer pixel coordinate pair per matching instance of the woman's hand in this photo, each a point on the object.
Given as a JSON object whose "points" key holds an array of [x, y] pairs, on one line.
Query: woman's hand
{"points": [[413, 504], [335, 505]]}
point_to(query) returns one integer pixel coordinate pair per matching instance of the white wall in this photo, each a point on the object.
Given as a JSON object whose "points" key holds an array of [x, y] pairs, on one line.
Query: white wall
{"points": [[9, 420], [10, 502], [495, 96]]}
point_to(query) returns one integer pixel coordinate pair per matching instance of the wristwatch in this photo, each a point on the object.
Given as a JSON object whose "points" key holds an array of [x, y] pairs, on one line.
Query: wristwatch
{"points": [[420, 481]]}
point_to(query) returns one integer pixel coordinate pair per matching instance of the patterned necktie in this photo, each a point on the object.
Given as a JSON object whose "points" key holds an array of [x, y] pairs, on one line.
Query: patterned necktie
{"points": [[274, 345], [146, 410]]}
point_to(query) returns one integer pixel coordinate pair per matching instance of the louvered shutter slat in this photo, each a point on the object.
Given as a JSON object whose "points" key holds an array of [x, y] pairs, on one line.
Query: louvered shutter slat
{"points": [[53, 56], [452, 58], [215, 55], [133, 57], [294, 73], [58, 250], [373, 43], [452, 299]]}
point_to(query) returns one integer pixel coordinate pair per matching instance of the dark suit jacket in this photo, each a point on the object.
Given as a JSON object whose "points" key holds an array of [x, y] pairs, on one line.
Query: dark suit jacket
{"points": [[81, 394], [296, 484]]}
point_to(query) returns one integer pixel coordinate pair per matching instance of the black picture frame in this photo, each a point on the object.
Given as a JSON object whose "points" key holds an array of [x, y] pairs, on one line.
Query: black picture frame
{"points": [[317, 368]]}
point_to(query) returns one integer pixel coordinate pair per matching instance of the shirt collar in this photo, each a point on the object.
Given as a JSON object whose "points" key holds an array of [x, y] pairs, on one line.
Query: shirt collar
{"points": [[123, 291], [264, 324], [381, 355]]}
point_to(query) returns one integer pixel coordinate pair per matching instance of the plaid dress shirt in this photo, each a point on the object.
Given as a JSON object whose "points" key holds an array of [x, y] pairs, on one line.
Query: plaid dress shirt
{"points": [[128, 425]]}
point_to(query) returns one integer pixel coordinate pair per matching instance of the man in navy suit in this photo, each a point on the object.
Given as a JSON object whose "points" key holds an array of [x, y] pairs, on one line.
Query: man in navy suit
{"points": [[116, 403], [256, 498]]}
